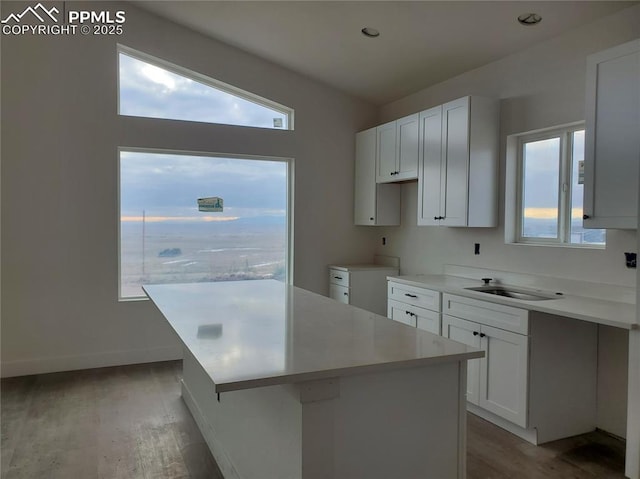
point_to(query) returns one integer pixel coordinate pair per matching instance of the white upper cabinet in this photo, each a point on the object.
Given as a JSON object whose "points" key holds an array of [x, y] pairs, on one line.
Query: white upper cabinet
{"points": [[458, 163], [397, 150], [612, 138], [374, 204]]}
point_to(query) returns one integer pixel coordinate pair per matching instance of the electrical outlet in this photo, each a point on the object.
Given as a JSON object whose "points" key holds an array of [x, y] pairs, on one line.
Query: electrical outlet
{"points": [[476, 248], [630, 259]]}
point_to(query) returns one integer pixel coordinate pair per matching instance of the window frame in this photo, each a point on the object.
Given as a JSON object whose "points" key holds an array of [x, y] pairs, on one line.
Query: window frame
{"points": [[206, 80], [565, 163], [289, 264]]}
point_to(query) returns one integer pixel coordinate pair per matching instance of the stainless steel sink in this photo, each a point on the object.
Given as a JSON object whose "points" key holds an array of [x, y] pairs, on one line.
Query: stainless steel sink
{"points": [[516, 293]]}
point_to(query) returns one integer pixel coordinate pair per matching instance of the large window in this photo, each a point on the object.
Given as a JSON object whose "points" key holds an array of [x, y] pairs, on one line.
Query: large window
{"points": [[173, 228], [550, 189], [154, 88]]}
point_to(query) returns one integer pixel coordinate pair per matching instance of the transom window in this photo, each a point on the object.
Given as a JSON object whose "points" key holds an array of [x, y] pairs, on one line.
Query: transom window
{"points": [[550, 189], [154, 88]]}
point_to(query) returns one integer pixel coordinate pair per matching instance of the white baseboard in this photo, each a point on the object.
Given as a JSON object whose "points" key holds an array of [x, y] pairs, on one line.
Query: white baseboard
{"points": [[56, 364]]}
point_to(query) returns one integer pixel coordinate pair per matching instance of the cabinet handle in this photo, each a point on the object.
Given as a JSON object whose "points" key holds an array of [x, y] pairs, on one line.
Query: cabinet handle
{"points": [[410, 295], [475, 333], [482, 335], [438, 217], [337, 277], [346, 294], [585, 217], [371, 219]]}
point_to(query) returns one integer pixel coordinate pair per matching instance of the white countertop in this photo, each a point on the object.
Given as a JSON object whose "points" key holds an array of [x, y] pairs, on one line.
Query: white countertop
{"points": [[595, 310], [248, 334], [363, 267]]}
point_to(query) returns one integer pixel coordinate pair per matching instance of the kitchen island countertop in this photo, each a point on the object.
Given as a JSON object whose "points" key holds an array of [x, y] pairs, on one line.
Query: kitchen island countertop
{"points": [[249, 334]]}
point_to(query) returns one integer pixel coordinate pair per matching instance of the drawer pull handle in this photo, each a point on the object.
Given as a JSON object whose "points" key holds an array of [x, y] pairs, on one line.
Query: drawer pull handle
{"points": [[346, 294], [410, 295], [337, 277]]}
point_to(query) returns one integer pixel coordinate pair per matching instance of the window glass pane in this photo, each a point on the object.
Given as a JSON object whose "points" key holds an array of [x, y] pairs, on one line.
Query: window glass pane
{"points": [[149, 90], [164, 238], [579, 235], [540, 195]]}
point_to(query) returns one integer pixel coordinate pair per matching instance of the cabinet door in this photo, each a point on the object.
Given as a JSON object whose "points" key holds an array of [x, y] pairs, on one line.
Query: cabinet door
{"points": [[407, 148], [365, 178], [374, 204], [466, 332], [504, 374], [430, 167], [454, 194], [386, 152], [427, 320], [339, 293], [401, 312], [612, 143]]}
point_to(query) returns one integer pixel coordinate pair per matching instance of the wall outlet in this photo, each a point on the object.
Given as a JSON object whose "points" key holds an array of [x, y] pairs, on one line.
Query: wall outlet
{"points": [[476, 248], [630, 259]]}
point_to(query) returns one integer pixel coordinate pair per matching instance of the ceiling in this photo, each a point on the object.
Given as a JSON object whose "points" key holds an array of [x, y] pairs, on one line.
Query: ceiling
{"points": [[421, 43]]}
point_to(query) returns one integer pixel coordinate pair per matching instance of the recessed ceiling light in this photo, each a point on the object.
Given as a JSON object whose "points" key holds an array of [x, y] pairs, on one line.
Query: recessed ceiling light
{"points": [[370, 32], [529, 19]]}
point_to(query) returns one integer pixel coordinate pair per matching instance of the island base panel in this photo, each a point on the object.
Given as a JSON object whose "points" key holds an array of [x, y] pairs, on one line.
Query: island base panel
{"points": [[403, 423]]}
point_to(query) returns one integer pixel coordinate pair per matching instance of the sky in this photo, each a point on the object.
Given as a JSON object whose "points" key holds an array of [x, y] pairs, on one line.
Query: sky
{"points": [[150, 91], [166, 186]]}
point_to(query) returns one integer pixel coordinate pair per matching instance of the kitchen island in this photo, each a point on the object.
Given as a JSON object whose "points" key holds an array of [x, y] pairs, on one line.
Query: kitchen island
{"points": [[284, 383]]}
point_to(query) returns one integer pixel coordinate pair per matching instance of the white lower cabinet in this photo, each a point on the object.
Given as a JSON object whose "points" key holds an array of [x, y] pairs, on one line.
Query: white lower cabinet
{"points": [[417, 307], [538, 376], [360, 285]]}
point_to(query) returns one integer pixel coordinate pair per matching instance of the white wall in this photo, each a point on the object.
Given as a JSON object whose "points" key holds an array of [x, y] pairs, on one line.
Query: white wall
{"points": [[59, 184], [540, 87]]}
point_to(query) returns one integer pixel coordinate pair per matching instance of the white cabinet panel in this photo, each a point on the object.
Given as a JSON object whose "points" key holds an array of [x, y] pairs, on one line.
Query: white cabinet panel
{"points": [[504, 374], [612, 142], [386, 137], [407, 148], [399, 312], [491, 314], [397, 150], [466, 332], [374, 204], [457, 168], [430, 167], [361, 285], [421, 297], [339, 293], [427, 320]]}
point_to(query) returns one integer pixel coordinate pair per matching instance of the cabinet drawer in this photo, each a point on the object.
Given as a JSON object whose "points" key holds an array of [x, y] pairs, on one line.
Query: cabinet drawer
{"points": [[414, 316], [483, 312], [400, 312], [421, 297], [339, 293], [339, 277]]}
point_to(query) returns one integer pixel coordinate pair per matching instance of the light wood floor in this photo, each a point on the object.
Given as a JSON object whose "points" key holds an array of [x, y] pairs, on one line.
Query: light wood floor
{"points": [[130, 422]]}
